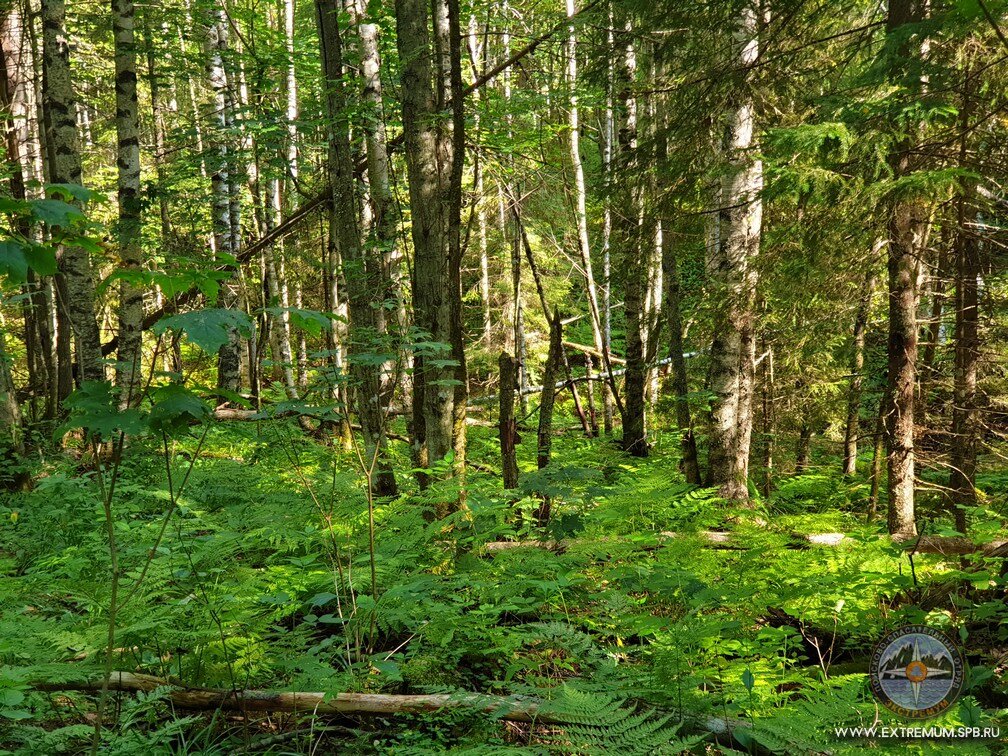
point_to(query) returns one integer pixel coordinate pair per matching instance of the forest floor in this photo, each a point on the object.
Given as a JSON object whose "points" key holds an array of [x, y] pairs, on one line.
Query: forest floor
{"points": [[640, 641]]}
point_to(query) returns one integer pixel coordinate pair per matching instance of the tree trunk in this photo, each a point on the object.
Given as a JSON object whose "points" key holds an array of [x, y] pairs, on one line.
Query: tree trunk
{"points": [[77, 286], [906, 228], [607, 142], [159, 123], [13, 99], [383, 230], [878, 451], [363, 273], [508, 428], [803, 448], [852, 427], [769, 412], [432, 140], [548, 397], [732, 272], [628, 222], [580, 193], [680, 379], [933, 330], [128, 359], [966, 430], [11, 432], [16, 96], [228, 356]]}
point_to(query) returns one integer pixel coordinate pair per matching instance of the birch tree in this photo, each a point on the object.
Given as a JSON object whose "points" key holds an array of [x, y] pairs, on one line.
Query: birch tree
{"points": [[731, 269], [128, 359], [77, 298]]}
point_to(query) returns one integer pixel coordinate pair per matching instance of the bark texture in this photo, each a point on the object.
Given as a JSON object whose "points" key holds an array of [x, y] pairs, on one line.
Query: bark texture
{"points": [[224, 222], [128, 359], [906, 229], [363, 273], [77, 288], [731, 268], [508, 427], [430, 77]]}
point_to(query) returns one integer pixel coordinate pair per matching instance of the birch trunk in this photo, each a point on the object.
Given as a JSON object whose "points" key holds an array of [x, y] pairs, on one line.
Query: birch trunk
{"points": [[228, 357], [382, 231], [475, 50], [732, 273], [77, 285], [16, 96], [128, 359], [580, 194]]}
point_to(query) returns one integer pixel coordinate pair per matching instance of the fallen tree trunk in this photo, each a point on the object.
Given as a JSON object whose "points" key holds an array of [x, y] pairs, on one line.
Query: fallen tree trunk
{"points": [[508, 708], [941, 545], [511, 709]]}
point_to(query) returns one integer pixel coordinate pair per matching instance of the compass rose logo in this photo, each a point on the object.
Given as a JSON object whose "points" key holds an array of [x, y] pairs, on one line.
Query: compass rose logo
{"points": [[916, 672]]}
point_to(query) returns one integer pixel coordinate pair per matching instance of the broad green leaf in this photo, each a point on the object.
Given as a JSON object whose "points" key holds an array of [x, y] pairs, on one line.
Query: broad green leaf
{"points": [[94, 409], [41, 259], [209, 329], [56, 212], [13, 263], [175, 408]]}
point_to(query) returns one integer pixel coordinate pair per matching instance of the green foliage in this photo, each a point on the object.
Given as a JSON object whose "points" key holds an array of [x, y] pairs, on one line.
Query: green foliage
{"points": [[209, 329], [640, 642]]}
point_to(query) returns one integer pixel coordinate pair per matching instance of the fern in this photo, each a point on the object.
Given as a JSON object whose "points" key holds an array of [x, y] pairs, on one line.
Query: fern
{"points": [[594, 723]]}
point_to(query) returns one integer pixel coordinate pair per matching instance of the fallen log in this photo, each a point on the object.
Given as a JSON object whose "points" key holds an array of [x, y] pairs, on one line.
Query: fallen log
{"points": [[953, 546], [940, 545], [512, 709], [508, 708], [718, 540]]}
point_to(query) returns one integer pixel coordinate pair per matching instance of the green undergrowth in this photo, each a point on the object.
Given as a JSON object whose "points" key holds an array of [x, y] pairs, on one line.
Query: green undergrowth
{"points": [[635, 629]]}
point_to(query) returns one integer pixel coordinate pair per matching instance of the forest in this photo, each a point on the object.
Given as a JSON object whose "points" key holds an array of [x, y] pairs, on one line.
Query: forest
{"points": [[503, 376]]}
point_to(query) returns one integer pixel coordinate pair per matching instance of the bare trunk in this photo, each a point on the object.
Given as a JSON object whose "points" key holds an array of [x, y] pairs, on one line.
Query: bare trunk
{"points": [[906, 226], [732, 272], [878, 452], [680, 379], [966, 430], [803, 448], [852, 428], [635, 262], [544, 443], [228, 357], [363, 273], [508, 429], [769, 412], [159, 125], [434, 171], [65, 168], [580, 193], [16, 97], [128, 359]]}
